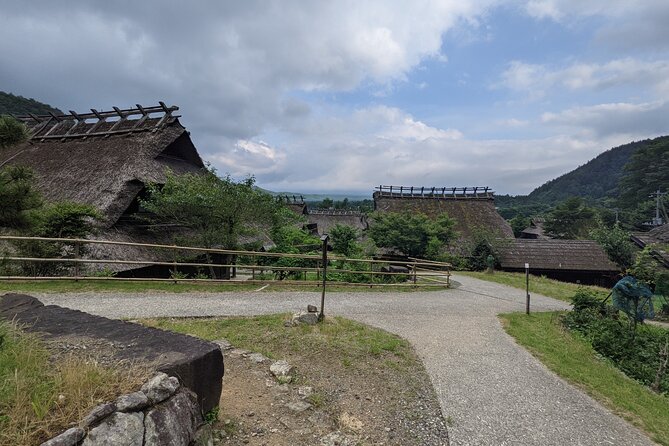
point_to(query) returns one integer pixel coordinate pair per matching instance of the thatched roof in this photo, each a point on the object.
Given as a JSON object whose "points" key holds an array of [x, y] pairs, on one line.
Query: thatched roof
{"points": [[106, 171], [327, 219], [565, 255], [471, 212]]}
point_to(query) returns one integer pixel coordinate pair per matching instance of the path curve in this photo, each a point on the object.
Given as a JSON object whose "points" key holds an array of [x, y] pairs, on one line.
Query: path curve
{"points": [[492, 391]]}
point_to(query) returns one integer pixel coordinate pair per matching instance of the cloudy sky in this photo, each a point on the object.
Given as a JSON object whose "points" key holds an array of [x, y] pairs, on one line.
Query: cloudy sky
{"points": [[340, 96]]}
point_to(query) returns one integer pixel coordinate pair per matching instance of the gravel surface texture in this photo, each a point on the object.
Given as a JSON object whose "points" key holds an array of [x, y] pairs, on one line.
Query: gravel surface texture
{"points": [[492, 392]]}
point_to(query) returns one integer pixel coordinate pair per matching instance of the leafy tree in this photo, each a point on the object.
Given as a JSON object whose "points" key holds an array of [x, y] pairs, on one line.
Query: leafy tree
{"points": [[571, 219], [646, 267], [344, 240], [17, 196], [217, 210], [59, 220], [411, 233], [11, 131], [616, 244], [518, 223], [343, 204], [327, 203]]}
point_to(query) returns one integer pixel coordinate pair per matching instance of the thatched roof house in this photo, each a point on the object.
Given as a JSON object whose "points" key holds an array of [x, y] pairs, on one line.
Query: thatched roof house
{"points": [[535, 230], [323, 220], [106, 159], [472, 208], [104, 163], [566, 260]]}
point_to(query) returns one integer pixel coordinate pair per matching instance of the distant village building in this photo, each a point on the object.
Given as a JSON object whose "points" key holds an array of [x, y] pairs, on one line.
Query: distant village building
{"points": [[581, 261], [659, 238], [323, 220], [535, 230], [107, 159], [472, 208]]}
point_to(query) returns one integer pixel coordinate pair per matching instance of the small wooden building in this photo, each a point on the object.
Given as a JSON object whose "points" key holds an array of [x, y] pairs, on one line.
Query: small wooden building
{"points": [[581, 261]]}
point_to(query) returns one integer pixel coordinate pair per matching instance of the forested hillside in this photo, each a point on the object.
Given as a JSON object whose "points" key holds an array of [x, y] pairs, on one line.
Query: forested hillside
{"points": [[622, 177], [598, 178], [18, 105]]}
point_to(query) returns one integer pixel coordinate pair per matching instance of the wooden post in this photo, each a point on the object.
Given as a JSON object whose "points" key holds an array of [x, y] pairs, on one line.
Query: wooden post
{"points": [[324, 238], [527, 288], [414, 273], [77, 256]]}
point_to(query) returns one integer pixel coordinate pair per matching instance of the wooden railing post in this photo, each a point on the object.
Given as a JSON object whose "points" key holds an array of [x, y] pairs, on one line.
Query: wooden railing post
{"points": [[77, 256]]}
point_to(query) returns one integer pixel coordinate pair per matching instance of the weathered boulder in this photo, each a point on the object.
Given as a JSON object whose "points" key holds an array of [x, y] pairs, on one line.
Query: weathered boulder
{"points": [[70, 437], [160, 387], [119, 429], [98, 413], [305, 318], [173, 422], [281, 369], [132, 402]]}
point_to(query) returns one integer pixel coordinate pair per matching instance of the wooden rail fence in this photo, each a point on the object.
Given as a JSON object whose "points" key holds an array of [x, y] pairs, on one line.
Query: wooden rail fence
{"points": [[370, 272]]}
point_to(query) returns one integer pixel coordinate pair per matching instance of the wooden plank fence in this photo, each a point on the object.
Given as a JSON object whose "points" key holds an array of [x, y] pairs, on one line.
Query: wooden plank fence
{"points": [[413, 272]]}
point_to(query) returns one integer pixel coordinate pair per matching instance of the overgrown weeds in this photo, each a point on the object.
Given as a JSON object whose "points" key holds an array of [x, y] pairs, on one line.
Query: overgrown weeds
{"points": [[40, 398]]}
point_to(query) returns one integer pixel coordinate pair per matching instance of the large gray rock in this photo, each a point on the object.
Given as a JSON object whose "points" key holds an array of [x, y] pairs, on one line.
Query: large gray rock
{"points": [[132, 402], [70, 437], [97, 414], [119, 429], [173, 422], [160, 387], [281, 369]]}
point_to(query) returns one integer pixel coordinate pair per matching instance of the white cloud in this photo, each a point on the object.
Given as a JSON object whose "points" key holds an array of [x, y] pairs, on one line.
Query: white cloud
{"points": [[633, 120], [538, 80]]}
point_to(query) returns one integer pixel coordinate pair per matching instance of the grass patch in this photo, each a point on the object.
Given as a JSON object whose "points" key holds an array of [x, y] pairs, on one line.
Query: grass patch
{"points": [[538, 284], [572, 358], [39, 399], [337, 336]]}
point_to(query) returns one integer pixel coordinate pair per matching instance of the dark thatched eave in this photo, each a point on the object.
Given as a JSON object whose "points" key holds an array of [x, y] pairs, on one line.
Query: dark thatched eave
{"points": [[106, 172], [556, 255]]}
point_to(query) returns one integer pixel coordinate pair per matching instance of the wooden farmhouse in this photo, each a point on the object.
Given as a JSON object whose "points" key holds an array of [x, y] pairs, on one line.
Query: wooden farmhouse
{"points": [[106, 159], [323, 220], [581, 261]]}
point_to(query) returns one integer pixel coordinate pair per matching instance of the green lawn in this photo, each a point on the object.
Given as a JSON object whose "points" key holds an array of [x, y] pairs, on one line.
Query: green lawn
{"points": [[541, 285], [337, 337], [572, 358]]}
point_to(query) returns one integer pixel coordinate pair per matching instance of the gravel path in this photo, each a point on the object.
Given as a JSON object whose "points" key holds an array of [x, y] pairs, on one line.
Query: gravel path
{"points": [[492, 392]]}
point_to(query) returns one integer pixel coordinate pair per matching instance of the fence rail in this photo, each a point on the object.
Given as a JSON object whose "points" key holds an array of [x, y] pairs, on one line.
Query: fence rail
{"points": [[343, 271]]}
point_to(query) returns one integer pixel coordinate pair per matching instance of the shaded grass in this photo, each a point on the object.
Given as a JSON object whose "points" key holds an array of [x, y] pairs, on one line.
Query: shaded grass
{"points": [[336, 337], [39, 399], [571, 357], [538, 284]]}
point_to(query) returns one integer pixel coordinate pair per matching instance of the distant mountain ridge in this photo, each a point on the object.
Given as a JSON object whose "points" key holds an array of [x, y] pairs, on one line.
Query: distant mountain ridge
{"points": [[18, 105], [597, 179]]}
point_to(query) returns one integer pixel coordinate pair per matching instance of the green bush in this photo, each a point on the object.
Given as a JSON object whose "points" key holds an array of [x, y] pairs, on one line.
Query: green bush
{"points": [[636, 352]]}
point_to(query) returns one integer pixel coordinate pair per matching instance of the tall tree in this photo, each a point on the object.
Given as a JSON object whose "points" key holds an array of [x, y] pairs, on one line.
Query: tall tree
{"points": [[11, 131], [18, 195], [414, 234], [571, 219], [217, 210]]}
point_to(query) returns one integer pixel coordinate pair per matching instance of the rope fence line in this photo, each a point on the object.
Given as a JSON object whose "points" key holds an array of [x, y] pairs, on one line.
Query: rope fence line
{"points": [[412, 272]]}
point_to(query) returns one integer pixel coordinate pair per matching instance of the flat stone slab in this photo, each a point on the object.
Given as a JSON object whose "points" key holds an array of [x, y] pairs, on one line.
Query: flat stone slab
{"points": [[198, 364]]}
